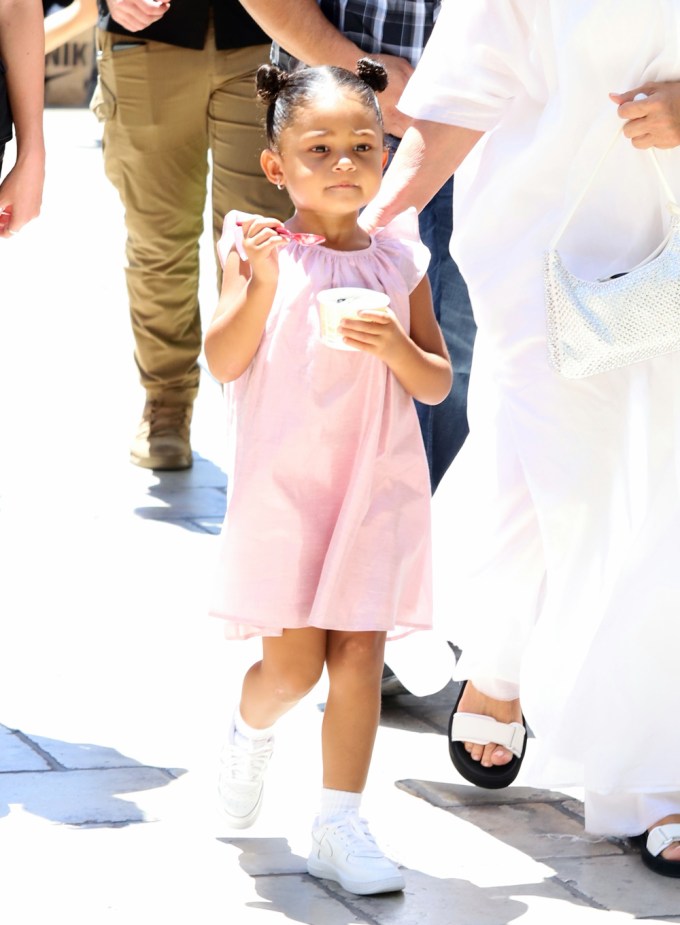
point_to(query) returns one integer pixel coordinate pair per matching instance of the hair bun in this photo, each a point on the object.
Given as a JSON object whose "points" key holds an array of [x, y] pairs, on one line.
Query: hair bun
{"points": [[372, 73], [270, 81]]}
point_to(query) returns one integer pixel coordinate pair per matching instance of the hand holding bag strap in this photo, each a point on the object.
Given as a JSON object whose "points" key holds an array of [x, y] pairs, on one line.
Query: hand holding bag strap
{"points": [[579, 199]]}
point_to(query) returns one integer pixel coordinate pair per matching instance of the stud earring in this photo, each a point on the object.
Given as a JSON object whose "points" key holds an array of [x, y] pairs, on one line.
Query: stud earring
{"points": [[280, 185]]}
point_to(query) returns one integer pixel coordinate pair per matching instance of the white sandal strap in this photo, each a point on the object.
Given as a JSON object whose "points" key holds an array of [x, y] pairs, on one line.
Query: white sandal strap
{"points": [[661, 837], [483, 730]]}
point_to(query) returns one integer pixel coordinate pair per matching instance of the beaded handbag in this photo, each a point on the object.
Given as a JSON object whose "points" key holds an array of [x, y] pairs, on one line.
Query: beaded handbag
{"points": [[598, 325]]}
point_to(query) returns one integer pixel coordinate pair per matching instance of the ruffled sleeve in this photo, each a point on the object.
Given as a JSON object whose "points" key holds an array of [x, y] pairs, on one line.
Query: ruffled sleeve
{"points": [[401, 239], [232, 235], [477, 60]]}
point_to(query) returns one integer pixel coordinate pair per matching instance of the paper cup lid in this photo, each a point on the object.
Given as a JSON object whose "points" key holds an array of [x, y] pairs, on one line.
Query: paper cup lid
{"points": [[347, 295]]}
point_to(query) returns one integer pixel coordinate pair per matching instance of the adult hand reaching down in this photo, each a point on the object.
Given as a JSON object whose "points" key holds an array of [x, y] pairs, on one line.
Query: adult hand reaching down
{"points": [[398, 72], [428, 154]]}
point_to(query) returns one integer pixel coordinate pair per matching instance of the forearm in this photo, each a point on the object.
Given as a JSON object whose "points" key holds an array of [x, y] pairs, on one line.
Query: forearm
{"points": [[63, 25], [429, 153], [22, 50], [320, 42], [301, 28], [425, 376], [234, 335]]}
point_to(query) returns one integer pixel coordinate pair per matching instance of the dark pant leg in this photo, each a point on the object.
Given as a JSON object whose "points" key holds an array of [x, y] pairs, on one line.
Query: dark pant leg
{"points": [[445, 426]]}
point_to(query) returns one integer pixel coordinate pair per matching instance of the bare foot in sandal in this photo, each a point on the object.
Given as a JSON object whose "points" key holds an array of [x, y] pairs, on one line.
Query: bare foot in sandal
{"points": [[661, 846], [487, 738], [504, 711]]}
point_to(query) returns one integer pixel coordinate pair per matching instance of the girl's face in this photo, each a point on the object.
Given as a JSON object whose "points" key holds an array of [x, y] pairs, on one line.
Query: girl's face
{"points": [[331, 156]]}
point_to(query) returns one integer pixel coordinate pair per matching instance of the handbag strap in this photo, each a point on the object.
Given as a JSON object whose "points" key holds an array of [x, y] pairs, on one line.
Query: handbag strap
{"points": [[579, 199]]}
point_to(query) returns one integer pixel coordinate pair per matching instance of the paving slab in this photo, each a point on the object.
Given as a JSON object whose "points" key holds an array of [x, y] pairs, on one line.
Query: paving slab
{"points": [[82, 797], [621, 883], [266, 856], [16, 754], [81, 756], [449, 794], [541, 830], [428, 901], [301, 899]]}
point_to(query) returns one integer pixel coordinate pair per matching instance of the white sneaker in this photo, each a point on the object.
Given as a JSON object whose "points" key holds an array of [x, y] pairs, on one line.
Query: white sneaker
{"points": [[240, 784], [346, 851]]}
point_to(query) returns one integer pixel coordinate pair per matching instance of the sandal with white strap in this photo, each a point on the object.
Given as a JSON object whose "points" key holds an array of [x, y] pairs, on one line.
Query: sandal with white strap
{"points": [[654, 842], [484, 730]]}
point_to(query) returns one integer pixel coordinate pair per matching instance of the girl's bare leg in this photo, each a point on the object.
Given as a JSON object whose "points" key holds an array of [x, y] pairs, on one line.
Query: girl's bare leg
{"points": [[352, 713], [290, 667]]}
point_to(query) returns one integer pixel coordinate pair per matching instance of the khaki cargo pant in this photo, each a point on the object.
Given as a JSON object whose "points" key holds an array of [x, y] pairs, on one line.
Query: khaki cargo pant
{"points": [[164, 108]]}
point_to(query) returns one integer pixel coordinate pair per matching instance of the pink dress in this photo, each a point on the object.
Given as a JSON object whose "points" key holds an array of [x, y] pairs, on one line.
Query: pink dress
{"points": [[328, 513]]}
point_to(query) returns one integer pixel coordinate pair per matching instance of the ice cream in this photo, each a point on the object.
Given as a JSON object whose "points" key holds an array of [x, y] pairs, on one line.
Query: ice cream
{"points": [[336, 304]]}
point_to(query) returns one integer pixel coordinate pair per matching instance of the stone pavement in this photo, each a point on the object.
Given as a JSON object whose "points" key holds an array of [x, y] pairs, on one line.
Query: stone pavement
{"points": [[115, 685]]}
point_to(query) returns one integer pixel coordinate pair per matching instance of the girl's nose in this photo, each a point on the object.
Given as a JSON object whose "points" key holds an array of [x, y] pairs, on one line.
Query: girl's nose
{"points": [[345, 163]]}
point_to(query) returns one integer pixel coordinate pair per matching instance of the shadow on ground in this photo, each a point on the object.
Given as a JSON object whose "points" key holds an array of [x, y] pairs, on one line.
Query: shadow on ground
{"points": [[73, 783], [288, 891], [194, 499]]}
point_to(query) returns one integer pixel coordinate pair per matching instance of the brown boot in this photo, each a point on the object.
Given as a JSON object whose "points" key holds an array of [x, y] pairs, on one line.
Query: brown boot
{"points": [[162, 440]]}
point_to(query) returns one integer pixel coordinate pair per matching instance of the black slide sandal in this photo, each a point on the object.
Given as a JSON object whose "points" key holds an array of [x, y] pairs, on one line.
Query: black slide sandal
{"points": [[651, 845], [511, 734]]}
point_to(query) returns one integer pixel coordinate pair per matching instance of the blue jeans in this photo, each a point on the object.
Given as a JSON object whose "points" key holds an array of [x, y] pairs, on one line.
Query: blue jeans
{"points": [[444, 426]]}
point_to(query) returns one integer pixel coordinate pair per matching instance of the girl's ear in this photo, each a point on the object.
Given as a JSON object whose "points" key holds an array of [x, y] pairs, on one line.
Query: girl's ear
{"points": [[385, 156], [270, 161]]}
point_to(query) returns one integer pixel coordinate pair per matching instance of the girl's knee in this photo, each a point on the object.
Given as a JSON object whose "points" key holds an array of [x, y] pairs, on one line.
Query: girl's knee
{"points": [[293, 682], [357, 653], [292, 664]]}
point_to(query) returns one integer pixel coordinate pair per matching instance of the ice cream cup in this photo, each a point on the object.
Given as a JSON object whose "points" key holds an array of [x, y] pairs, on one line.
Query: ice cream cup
{"points": [[347, 302]]}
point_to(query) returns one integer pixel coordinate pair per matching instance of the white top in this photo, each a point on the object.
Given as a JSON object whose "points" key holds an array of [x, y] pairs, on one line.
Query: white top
{"points": [[557, 528], [493, 65]]}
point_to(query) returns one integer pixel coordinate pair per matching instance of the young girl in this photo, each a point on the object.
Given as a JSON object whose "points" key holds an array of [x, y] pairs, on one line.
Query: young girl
{"points": [[326, 545]]}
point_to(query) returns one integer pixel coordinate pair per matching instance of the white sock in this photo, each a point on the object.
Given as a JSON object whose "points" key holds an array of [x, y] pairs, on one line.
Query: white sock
{"points": [[244, 731], [337, 803]]}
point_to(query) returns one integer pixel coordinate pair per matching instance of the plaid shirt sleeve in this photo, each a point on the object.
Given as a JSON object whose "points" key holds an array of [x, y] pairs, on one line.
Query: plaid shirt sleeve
{"points": [[392, 27]]}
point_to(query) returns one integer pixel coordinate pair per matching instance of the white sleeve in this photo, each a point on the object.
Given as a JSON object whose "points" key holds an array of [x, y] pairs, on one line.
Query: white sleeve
{"points": [[477, 60]]}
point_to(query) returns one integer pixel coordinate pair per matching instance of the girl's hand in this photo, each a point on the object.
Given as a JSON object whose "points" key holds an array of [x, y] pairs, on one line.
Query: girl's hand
{"points": [[21, 195], [261, 243], [419, 360], [248, 292], [377, 332], [653, 122]]}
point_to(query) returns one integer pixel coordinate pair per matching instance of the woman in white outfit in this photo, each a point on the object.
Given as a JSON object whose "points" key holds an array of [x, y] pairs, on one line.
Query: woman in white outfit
{"points": [[558, 525]]}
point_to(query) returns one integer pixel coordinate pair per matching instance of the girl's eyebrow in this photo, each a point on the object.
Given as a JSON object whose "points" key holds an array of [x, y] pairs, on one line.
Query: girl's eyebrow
{"points": [[320, 133]]}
